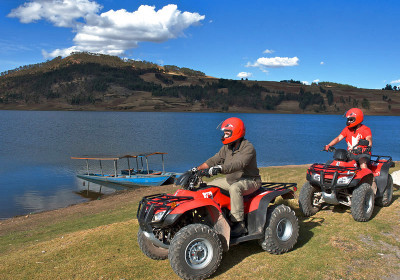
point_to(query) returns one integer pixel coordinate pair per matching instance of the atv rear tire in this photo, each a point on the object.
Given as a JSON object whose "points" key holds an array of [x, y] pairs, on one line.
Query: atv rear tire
{"points": [[307, 199], [362, 202], [149, 249], [281, 231], [195, 252], [387, 195]]}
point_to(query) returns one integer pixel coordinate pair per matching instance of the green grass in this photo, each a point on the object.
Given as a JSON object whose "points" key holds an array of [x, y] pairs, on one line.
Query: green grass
{"points": [[103, 245]]}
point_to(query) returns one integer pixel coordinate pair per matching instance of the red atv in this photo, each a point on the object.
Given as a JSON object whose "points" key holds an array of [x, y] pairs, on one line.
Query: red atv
{"points": [[341, 181], [191, 227]]}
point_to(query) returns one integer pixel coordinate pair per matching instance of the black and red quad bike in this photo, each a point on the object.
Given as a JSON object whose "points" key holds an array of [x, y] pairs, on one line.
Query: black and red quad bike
{"points": [[191, 228], [342, 181]]}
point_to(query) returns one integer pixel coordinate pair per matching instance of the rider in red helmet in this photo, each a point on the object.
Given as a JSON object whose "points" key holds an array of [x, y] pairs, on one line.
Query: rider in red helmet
{"points": [[353, 132], [236, 159]]}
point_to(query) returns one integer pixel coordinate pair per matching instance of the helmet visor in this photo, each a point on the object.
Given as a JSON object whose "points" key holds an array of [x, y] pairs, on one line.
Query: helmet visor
{"points": [[226, 134], [350, 120]]}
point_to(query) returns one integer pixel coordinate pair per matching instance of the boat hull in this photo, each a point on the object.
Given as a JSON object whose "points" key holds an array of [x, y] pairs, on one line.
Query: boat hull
{"points": [[133, 180]]}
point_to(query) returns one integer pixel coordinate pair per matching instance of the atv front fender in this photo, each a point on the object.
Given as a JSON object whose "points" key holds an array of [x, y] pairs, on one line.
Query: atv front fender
{"points": [[212, 208], [219, 222]]}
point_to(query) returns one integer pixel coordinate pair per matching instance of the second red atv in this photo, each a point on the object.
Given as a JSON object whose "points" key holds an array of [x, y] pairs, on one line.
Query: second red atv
{"points": [[342, 181], [190, 227]]}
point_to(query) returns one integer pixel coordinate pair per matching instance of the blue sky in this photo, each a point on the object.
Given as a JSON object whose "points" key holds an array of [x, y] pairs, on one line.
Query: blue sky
{"points": [[349, 42]]}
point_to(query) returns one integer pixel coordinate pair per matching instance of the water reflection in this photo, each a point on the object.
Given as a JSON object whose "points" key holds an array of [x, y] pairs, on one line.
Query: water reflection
{"points": [[35, 147]]}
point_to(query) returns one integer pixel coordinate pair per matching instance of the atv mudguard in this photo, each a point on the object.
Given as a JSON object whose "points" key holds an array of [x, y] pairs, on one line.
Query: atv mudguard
{"points": [[219, 222], [257, 216], [382, 178], [212, 208]]}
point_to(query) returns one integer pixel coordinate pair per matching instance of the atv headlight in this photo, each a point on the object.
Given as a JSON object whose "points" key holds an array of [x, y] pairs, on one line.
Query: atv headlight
{"points": [[158, 216], [344, 180], [317, 177]]}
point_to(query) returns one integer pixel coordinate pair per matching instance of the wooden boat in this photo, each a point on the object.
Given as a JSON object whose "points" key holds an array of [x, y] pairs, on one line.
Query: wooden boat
{"points": [[141, 176]]}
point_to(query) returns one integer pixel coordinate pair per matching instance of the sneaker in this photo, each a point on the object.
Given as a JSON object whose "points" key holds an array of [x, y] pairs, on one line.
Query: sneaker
{"points": [[238, 229]]}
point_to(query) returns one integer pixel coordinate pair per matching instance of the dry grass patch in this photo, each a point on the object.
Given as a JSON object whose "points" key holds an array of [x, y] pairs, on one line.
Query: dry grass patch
{"points": [[97, 240]]}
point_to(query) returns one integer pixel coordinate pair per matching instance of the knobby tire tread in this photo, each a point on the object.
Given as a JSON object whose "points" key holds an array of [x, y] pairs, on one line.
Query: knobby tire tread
{"points": [[306, 197], [176, 245], [270, 243], [151, 251], [357, 202]]}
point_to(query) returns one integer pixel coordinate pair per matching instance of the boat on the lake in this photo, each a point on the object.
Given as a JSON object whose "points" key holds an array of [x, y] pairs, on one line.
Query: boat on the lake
{"points": [[142, 175]]}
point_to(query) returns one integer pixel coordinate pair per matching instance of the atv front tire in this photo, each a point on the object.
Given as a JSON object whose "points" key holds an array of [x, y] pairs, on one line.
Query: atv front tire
{"points": [[149, 249], [195, 252], [281, 231], [362, 202], [387, 195], [308, 197]]}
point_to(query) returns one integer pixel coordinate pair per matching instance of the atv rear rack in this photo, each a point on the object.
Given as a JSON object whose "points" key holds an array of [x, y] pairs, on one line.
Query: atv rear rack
{"points": [[279, 186]]}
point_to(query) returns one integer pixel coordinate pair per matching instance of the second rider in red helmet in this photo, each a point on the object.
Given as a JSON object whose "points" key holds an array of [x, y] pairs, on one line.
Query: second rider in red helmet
{"points": [[236, 159], [353, 132]]}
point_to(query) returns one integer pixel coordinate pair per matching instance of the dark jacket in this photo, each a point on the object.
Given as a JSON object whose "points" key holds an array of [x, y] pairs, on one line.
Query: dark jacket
{"points": [[238, 164]]}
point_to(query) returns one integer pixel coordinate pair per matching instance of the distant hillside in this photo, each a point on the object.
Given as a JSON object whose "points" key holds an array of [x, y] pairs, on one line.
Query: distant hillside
{"points": [[85, 81]]}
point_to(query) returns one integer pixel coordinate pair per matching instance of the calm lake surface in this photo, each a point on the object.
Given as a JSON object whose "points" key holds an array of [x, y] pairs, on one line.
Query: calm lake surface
{"points": [[37, 172]]}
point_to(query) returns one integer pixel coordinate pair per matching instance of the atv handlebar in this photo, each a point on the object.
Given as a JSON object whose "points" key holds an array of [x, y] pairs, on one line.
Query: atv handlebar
{"points": [[330, 149], [192, 177], [357, 149]]}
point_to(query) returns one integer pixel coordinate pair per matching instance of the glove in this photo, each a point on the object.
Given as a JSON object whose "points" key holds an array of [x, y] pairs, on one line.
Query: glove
{"points": [[215, 170], [326, 148], [203, 172], [194, 169]]}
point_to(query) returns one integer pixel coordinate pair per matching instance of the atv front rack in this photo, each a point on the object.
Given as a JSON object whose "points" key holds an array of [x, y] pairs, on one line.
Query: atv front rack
{"points": [[152, 204], [326, 176]]}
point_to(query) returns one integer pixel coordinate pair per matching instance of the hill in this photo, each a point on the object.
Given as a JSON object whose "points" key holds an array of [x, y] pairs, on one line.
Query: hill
{"points": [[85, 81]]}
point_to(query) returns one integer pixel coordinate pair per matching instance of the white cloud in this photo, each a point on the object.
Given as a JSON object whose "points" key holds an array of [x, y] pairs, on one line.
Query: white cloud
{"points": [[62, 13], [395, 81], [244, 75], [322, 63], [305, 83], [274, 62], [316, 81], [268, 51], [112, 32]]}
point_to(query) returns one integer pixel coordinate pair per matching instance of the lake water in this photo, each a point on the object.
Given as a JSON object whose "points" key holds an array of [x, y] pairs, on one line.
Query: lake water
{"points": [[36, 172]]}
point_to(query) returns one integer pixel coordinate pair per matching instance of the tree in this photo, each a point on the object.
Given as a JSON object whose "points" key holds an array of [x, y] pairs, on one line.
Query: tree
{"points": [[329, 95], [388, 87], [365, 103]]}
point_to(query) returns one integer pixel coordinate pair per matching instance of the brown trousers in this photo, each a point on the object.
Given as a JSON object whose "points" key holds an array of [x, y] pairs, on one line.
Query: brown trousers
{"points": [[236, 191]]}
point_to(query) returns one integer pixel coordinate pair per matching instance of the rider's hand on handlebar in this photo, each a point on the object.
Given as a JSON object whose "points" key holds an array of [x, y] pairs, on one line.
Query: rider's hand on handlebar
{"points": [[194, 169], [203, 172], [215, 170], [328, 148]]}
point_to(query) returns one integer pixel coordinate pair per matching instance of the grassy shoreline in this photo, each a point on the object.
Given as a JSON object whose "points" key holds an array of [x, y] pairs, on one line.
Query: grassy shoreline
{"points": [[97, 240]]}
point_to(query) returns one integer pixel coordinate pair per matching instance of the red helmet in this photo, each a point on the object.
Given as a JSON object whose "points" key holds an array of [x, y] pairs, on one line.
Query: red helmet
{"points": [[354, 117], [235, 128]]}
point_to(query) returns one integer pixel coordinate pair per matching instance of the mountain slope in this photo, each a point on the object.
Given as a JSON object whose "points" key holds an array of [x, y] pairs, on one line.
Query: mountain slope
{"points": [[85, 81]]}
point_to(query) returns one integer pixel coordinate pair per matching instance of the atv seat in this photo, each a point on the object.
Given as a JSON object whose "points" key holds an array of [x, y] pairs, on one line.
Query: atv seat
{"points": [[246, 197]]}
